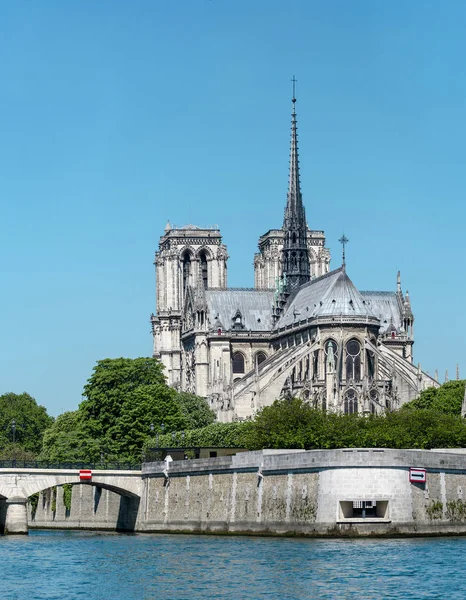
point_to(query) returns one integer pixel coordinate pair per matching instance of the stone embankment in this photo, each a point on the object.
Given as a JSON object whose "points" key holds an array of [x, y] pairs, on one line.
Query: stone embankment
{"points": [[322, 492]]}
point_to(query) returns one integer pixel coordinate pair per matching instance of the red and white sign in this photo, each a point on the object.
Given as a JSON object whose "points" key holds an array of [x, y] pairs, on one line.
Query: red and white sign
{"points": [[417, 475], [85, 475]]}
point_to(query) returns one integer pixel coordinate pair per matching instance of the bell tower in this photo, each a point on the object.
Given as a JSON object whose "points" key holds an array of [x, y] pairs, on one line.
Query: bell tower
{"points": [[185, 256]]}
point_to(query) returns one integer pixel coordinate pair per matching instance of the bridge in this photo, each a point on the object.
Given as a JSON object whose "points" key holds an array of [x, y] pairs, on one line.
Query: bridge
{"points": [[19, 481]]}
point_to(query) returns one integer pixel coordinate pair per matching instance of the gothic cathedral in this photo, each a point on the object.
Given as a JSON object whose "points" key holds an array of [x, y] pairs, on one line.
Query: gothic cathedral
{"points": [[303, 330]]}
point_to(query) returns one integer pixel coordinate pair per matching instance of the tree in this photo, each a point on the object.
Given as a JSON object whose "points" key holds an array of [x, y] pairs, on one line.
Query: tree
{"points": [[294, 424], [220, 435], [286, 424], [21, 416], [447, 399], [196, 410], [67, 440], [146, 405], [123, 398]]}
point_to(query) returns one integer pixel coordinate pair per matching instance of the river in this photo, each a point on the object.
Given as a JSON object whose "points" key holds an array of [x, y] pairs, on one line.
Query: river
{"points": [[69, 565]]}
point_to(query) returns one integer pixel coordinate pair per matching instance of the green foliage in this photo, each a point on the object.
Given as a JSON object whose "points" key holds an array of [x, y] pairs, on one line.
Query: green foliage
{"points": [[31, 422], [286, 424], [447, 398], [435, 510], [294, 424], [220, 435], [67, 495], [110, 384], [126, 398], [145, 405], [123, 398], [67, 440], [195, 410], [456, 510], [16, 452]]}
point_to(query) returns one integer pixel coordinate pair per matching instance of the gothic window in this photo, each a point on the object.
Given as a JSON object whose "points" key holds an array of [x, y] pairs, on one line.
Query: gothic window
{"points": [[353, 361], [238, 362], [351, 402], [374, 400], [186, 269], [260, 357], [203, 266]]}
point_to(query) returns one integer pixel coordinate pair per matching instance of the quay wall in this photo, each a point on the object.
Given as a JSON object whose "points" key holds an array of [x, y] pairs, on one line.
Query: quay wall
{"points": [[309, 493], [346, 492]]}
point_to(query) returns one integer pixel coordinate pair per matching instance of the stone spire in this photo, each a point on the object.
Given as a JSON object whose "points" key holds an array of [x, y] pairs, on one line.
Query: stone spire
{"points": [[295, 252]]}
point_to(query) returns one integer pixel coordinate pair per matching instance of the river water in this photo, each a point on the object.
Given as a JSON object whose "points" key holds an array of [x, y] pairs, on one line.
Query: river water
{"points": [[68, 565]]}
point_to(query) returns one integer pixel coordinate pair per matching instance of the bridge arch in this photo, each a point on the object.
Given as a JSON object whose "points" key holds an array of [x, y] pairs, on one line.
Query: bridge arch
{"points": [[128, 488]]}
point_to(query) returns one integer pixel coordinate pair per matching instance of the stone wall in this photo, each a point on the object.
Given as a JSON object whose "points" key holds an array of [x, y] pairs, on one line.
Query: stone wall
{"points": [[310, 493], [279, 492]]}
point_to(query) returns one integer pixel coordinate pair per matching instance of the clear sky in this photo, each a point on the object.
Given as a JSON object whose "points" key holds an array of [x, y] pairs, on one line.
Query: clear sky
{"points": [[116, 116]]}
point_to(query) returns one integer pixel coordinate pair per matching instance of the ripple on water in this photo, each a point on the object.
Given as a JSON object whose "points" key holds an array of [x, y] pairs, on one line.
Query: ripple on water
{"points": [[68, 565]]}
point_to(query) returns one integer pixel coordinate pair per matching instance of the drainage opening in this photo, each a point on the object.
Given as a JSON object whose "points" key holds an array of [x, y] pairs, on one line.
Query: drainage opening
{"points": [[364, 509]]}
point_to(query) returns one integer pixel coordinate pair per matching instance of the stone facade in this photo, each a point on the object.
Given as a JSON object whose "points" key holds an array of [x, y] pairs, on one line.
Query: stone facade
{"points": [[304, 330]]}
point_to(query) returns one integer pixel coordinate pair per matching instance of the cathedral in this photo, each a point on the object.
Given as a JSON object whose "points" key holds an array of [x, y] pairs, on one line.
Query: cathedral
{"points": [[303, 330]]}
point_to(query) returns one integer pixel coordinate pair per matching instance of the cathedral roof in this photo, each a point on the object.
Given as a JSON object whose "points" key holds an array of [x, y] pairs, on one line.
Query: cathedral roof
{"points": [[385, 307], [332, 295], [255, 307]]}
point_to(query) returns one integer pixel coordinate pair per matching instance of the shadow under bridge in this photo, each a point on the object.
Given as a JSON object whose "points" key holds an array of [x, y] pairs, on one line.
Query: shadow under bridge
{"points": [[40, 486]]}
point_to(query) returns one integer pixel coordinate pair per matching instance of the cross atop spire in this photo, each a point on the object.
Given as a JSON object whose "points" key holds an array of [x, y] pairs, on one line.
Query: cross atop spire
{"points": [[343, 241], [295, 252]]}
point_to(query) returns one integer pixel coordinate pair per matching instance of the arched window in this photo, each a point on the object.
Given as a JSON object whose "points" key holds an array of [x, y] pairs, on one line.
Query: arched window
{"points": [[203, 266], [353, 361], [238, 362], [374, 396], [186, 269], [260, 357], [351, 402]]}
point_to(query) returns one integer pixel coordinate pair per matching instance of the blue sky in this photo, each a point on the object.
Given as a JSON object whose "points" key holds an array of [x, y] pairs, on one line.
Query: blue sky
{"points": [[116, 116]]}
